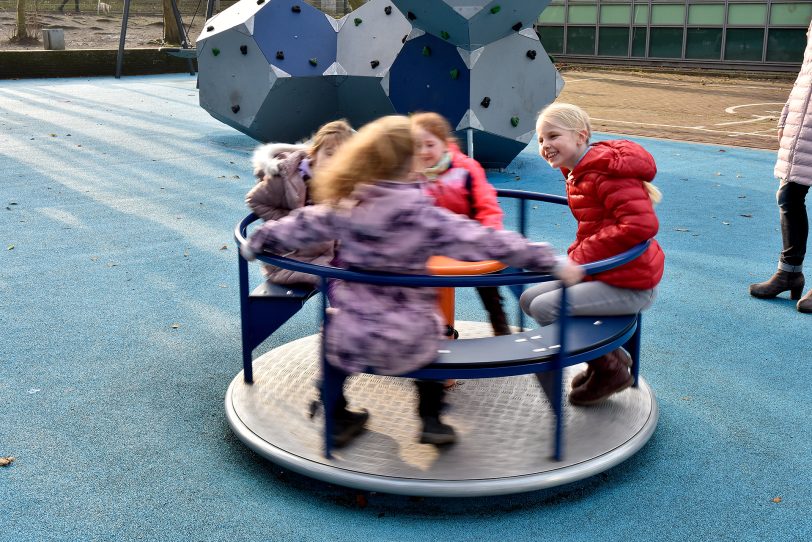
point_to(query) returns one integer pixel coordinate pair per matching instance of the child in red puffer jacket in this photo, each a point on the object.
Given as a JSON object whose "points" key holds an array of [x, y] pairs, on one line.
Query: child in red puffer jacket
{"points": [[458, 183], [609, 192]]}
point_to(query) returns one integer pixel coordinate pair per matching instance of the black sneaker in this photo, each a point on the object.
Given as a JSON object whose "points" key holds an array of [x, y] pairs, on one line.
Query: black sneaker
{"points": [[348, 425], [436, 432]]}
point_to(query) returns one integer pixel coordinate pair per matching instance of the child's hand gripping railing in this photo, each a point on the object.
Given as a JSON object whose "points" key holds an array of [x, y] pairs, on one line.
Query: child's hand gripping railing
{"points": [[628, 336]]}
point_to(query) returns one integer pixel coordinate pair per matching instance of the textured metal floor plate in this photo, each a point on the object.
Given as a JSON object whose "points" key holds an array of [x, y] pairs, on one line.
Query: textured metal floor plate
{"points": [[505, 429]]}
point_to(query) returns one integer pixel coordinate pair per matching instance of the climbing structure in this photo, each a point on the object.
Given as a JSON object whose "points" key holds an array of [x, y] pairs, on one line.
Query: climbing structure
{"points": [[277, 69]]}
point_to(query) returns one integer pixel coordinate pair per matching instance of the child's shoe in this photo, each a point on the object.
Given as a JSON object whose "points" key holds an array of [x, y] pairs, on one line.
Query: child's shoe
{"points": [[610, 375], [581, 378], [347, 425], [436, 432]]}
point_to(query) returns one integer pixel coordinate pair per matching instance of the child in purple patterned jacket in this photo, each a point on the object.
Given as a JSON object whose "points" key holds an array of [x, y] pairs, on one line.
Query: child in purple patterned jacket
{"points": [[384, 222]]}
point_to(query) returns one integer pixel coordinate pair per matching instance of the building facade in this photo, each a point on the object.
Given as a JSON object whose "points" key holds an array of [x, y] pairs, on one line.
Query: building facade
{"points": [[723, 34]]}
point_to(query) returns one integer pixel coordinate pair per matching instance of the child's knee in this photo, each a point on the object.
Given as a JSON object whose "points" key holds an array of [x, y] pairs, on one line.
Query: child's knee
{"points": [[543, 309]]}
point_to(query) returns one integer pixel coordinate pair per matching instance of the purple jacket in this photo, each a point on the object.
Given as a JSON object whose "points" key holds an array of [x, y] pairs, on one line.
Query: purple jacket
{"points": [[392, 227]]}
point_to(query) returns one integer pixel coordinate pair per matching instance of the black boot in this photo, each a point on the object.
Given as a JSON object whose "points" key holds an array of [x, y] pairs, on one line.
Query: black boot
{"points": [[346, 424], [780, 282], [492, 302], [430, 399]]}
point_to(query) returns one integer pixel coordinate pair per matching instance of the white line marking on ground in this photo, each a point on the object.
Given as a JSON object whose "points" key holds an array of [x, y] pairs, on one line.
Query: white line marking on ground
{"points": [[733, 109], [698, 128], [675, 83]]}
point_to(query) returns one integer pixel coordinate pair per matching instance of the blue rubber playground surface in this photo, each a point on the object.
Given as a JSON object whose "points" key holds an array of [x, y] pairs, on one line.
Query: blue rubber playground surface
{"points": [[119, 334]]}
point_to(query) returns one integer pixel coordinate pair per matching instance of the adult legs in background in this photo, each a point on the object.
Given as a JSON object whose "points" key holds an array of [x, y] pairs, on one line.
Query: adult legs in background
{"points": [[794, 233], [607, 374]]}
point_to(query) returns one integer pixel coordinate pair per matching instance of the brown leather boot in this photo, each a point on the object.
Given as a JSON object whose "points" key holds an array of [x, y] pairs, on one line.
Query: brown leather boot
{"points": [[610, 375], [778, 283], [581, 378], [805, 304]]}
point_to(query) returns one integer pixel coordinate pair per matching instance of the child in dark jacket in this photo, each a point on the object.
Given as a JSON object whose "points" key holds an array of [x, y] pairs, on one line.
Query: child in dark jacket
{"points": [[609, 192], [384, 222], [458, 183]]}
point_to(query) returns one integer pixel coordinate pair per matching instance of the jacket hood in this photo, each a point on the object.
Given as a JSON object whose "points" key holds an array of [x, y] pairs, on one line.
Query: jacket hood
{"points": [[617, 158]]}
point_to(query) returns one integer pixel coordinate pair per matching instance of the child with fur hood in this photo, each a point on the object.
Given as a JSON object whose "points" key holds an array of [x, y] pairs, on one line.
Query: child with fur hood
{"points": [[283, 172]]}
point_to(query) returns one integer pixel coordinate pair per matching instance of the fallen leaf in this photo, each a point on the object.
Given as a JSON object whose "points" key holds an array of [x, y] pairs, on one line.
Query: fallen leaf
{"points": [[10, 247], [681, 229], [775, 499], [224, 247], [741, 197], [94, 258], [174, 326], [6, 461], [719, 173], [185, 253], [747, 216], [361, 500], [726, 223], [722, 150], [686, 398]]}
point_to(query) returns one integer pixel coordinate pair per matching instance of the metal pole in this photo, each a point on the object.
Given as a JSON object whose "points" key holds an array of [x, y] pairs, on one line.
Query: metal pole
{"points": [[122, 37], [209, 9], [184, 42], [470, 135]]}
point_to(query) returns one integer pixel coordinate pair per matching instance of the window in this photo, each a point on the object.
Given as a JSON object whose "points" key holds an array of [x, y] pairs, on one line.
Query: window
{"points": [[665, 43], [581, 40], [703, 43], [786, 45], [552, 38], [706, 14], [744, 44], [613, 41]]}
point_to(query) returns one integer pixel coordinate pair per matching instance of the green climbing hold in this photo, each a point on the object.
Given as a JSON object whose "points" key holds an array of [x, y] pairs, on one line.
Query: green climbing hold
{"points": [[455, 73], [496, 9], [215, 51], [445, 35], [357, 21], [514, 121], [426, 50], [314, 62]]}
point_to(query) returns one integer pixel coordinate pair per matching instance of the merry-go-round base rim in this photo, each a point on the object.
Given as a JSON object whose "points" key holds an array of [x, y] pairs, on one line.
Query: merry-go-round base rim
{"points": [[494, 421]]}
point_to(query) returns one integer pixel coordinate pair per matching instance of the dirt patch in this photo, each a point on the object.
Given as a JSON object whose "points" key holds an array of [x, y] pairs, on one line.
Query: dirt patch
{"points": [[91, 31]]}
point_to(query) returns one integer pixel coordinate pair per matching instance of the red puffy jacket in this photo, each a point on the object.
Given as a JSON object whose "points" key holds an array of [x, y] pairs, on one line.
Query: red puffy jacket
{"points": [[607, 197], [464, 189]]}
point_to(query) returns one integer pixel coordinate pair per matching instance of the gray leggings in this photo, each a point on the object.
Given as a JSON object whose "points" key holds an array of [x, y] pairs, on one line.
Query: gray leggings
{"points": [[593, 298]]}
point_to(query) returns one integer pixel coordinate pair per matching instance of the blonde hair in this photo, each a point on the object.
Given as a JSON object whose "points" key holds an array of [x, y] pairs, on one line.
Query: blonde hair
{"points": [[435, 124], [566, 117], [571, 117], [381, 150], [332, 133]]}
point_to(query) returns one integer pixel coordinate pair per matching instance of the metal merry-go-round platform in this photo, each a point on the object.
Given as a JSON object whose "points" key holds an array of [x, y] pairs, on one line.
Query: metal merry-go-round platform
{"points": [[511, 433], [504, 427]]}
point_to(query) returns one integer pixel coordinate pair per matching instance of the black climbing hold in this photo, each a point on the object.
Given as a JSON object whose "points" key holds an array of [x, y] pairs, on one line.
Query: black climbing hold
{"points": [[404, 39], [357, 21], [516, 27], [531, 54], [314, 62], [485, 102], [244, 49], [209, 28], [388, 10], [411, 16], [296, 9], [260, 2], [280, 55], [235, 108], [374, 64]]}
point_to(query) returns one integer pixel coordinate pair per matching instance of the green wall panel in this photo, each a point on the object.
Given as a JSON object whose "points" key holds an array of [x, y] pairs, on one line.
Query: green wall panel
{"points": [[583, 14], [703, 43], [668, 14], [640, 14], [795, 14], [786, 45], [552, 15], [615, 14], [613, 41], [639, 41], [744, 44], [746, 14], [706, 14], [552, 38], [581, 40], [665, 43]]}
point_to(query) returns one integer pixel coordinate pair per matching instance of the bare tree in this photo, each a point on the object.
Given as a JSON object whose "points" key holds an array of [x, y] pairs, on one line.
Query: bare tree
{"points": [[21, 32], [171, 33]]}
